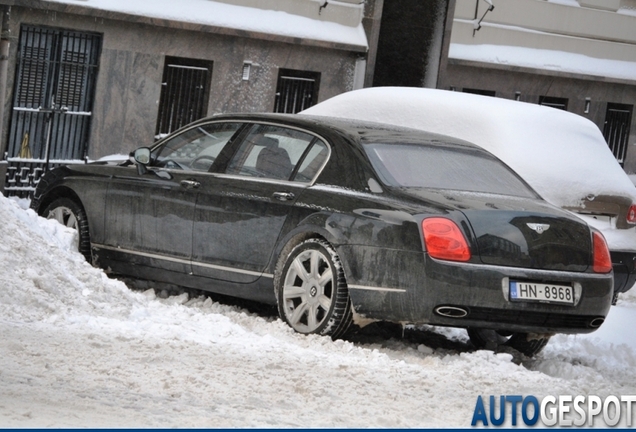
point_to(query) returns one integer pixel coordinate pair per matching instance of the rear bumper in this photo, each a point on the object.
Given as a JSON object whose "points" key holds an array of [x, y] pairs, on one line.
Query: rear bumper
{"points": [[415, 288], [624, 264]]}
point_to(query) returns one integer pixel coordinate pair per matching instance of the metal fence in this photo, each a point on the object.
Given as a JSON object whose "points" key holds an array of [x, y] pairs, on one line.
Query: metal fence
{"points": [[52, 105]]}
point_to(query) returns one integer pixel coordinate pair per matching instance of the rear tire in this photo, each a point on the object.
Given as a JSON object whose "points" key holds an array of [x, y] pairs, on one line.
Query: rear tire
{"points": [[72, 215], [495, 341], [311, 289]]}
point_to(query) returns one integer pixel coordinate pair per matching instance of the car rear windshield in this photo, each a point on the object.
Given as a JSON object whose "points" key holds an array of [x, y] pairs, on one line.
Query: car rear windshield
{"points": [[438, 167]]}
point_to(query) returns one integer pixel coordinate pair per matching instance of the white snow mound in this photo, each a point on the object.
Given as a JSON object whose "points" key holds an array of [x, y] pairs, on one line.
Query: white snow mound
{"points": [[563, 156]]}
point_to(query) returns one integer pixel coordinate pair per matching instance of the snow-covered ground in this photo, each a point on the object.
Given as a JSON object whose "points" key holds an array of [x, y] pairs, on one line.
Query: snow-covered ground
{"points": [[81, 350]]}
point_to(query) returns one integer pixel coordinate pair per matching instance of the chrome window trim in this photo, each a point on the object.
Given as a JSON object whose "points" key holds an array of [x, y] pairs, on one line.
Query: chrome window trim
{"points": [[184, 261]]}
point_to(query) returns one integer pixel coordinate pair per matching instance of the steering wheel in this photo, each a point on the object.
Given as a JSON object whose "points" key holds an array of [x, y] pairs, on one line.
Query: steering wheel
{"points": [[197, 160], [170, 164]]}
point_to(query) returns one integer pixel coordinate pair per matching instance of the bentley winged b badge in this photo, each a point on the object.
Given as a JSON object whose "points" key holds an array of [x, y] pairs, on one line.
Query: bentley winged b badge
{"points": [[538, 227]]}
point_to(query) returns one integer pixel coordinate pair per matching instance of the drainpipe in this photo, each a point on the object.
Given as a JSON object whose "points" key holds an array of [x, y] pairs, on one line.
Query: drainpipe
{"points": [[5, 34]]}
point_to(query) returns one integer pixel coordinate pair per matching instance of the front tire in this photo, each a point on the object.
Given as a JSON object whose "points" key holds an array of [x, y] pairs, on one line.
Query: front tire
{"points": [[72, 215], [311, 289], [494, 341]]}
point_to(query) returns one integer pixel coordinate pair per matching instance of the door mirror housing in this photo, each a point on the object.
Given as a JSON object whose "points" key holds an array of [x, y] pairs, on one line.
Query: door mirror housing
{"points": [[141, 156]]}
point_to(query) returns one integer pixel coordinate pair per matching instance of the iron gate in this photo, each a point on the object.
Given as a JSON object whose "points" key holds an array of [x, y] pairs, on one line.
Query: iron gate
{"points": [[52, 103], [616, 129]]}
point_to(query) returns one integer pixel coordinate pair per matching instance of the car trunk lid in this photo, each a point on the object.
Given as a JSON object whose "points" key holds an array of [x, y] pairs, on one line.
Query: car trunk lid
{"points": [[520, 232]]}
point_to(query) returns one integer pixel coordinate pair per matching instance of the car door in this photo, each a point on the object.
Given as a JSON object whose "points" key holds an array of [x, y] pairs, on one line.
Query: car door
{"points": [[149, 212], [241, 211]]}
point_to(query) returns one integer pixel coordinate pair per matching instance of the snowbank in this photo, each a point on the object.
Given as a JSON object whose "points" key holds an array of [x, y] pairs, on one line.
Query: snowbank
{"points": [[82, 350]]}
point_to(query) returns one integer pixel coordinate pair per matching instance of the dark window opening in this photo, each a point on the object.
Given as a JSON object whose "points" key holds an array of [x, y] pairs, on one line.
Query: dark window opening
{"points": [[185, 90], [479, 92], [616, 129], [296, 90], [554, 102]]}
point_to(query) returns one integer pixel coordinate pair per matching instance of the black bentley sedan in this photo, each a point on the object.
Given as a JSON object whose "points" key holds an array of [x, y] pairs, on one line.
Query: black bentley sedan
{"points": [[341, 222]]}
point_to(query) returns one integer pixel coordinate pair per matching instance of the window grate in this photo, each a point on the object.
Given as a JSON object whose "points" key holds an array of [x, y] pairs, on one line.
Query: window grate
{"points": [[616, 129], [554, 102], [185, 92], [296, 90]]}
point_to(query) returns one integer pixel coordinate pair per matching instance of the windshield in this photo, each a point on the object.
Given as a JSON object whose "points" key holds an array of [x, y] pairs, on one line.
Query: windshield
{"points": [[437, 167]]}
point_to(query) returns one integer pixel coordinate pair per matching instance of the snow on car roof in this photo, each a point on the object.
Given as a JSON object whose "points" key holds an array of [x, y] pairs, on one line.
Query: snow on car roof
{"points": [[563, 156]]}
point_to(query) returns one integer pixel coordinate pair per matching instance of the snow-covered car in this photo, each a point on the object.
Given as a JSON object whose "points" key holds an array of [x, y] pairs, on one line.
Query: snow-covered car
{"points": [[340, 222], [563, 156]]}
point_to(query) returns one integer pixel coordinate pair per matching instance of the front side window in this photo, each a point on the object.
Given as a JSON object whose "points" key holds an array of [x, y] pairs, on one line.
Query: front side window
{"points": [[196, 148], [275, 152], [436, 167]]}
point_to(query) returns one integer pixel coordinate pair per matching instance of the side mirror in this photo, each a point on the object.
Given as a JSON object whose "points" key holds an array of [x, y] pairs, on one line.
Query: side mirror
{"points": [[141, 157]]}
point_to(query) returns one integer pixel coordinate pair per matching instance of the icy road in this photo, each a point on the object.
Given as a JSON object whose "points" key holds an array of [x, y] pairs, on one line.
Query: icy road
{"points": [[81, 350]]}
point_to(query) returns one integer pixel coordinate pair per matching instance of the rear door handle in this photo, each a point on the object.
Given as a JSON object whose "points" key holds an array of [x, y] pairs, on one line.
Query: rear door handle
{"points": [[284, 196], [190, 184]]}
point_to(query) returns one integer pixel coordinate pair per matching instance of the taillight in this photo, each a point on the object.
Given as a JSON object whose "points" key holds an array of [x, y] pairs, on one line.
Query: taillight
{"points": [[631, 214], [602, 262], [444, 240]]}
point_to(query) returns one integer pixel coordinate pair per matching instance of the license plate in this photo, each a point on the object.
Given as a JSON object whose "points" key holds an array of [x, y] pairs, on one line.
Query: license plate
{"points": [[549, 293]]}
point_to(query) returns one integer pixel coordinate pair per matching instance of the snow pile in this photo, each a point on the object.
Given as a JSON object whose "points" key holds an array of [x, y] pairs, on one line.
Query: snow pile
{"points": [[542, 144], [42, 278], [81, 350]]}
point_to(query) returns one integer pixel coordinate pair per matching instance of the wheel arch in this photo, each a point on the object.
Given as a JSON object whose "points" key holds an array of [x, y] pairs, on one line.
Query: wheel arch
{"points": [[311, 227], [58, 192]]}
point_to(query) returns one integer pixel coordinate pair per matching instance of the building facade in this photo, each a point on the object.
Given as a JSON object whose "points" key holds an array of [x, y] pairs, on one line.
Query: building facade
{"points": [[86, 79], [81, 80], [577, 55]]}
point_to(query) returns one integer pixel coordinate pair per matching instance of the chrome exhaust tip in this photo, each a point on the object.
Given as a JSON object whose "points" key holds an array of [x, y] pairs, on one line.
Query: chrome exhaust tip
{"points": [[596, 322], [451, 311]]}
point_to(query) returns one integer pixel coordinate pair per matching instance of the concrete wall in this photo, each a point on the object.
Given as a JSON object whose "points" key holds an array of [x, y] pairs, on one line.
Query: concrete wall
{"points": [[131, 68], [540, 24]]}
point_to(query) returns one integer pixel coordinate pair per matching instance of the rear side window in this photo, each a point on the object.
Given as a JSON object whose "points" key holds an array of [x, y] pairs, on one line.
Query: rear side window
{"points": [[279, 153], [436, 167]]}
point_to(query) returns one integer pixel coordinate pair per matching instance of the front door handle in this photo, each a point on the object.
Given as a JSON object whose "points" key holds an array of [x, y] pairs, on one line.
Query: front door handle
{"points": [[190, 184], [284, 196]]}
